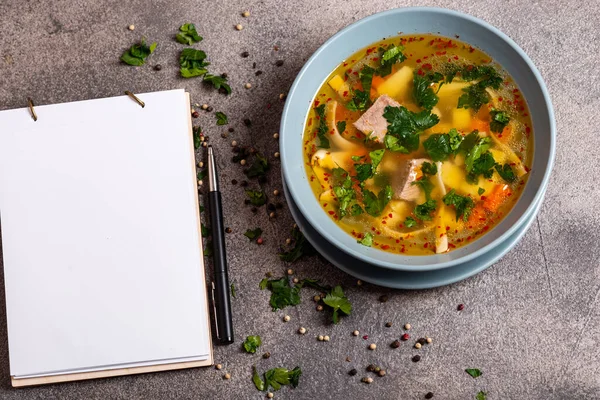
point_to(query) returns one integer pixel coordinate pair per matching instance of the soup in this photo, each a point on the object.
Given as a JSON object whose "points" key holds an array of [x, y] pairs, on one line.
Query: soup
{"points": [[418, 144]]}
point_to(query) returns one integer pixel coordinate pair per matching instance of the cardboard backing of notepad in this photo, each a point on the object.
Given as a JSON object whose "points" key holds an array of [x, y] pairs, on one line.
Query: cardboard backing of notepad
{"points": [[22, 382]]}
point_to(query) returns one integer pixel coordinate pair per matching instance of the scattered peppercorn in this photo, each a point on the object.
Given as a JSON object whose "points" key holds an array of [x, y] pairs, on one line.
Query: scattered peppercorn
{"points": [[407, 327], [370, 368], [279, 63], [234, 143], [204, 144], [383, 298], [416, 358], [356, 332], [288, 241], [290, 271], [224, 75], [282, 96], [319, 308], [131, 27], [239, 27], [231, 130], [372, 346], [395, 344], [201, 164], [247, 122], [429, 395], [429, 340], [316, 297], [388, 324], [270, 207], [243, 162], [259, 240], [422, 341], [275, 192], [218, 366], [209, 109], [270, 395], [276, 135], [405, 337], [246, 201], [246, 14], [302, 330], [254, 65], [248, 85], [348, 359], [227, 376], [367, 380], [365, 337], [195, 114], [320, 338], [254, 209], [234, 181], [359, 282], [258, 73], [460, 307], [228, 230], [204, 106], [267, 355], [381, 373], [352, 372], [157, 67], [244, 183], [224, 135], [326, 338], [245, 54], [417, 345], [276, 154], [286, 318]]}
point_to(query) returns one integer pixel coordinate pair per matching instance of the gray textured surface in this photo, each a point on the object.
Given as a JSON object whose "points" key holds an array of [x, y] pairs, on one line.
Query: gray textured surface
{"points": [[532, 321]]}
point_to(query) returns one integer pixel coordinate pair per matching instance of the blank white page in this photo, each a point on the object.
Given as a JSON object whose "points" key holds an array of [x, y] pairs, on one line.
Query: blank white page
{"points": [[102, 255]]}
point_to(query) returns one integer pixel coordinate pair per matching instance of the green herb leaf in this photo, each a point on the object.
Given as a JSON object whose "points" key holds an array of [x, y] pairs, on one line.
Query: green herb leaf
{"points": [[429, 168], [253, 234], [365, 75], [475, 146], [201, 208], [357, 158], [259, 166], [426, 185], [301, 247], [221, 118], [499, 120], [506, 172], [474, 372], [338, 302], [474, 97], [367, 240], [196, 135], [218, 82], [423, 93], [192, 63], [374, 205], [233, 290], [259, 383], [264, 283], [341, 126], [137, 54], [205, 231], [484, 165], [295, 375], [208, 249], [252, 343], [392, 143], [481, 190], [363, 171], [388, 57], [406, 126], [322, 130], [188, 34], [361, 100], [462, 204], [344, 193], [376, 157], [282, 294], [201, 174], [481, 395], [257, 197], [410, 222], [423, 211]]}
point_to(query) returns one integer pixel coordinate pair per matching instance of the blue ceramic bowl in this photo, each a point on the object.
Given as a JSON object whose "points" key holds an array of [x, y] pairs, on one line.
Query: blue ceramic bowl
{"points": [[416, 20]]}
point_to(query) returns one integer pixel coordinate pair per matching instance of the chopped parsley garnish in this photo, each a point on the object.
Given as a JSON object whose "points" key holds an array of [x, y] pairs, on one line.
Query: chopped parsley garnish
{"points": [[361, 100], [218, 82], [480, 191], [188, 35], [253, 234], [367, 240], [474, 146], [409, 222], [462, 204], [301, 247], [367, 170], [365, 75], [440, 146], [252, 343], [341, 126], [276, 377], [322, 128], [423, 211], [357, 158], [259, 166], [475, 95], [423, 94], [257, 197], [196, 135], [345, 193], [506, 172], [192, 63], [426, 185], [221, 118], [429, 168], [404, 127], [484, 165], [389, 56], [374, 204], [481, 395], [137, 54], [499, 120], [338, 302], [376, 157], [474, 372]]}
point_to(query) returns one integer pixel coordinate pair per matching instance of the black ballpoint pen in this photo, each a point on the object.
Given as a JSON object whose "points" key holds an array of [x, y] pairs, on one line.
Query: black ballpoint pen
{"points": [[220, 287]]}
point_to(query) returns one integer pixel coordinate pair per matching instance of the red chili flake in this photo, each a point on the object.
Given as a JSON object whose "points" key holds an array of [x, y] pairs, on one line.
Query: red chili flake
{"points": [[471, 49], [390, 215], [316, 103], [469, 237], [451, 245], [420, 72], [375, 58], [384, 222], [427, 66], [268, 106], [418, 61], [405, 337], [421, 38], [331, 212], [483, 198], [426, 245], [397, 240], [325, 204], [379, 233], [460, 307], [385, 247], [366, 337], [373, 228], [345, 94]]}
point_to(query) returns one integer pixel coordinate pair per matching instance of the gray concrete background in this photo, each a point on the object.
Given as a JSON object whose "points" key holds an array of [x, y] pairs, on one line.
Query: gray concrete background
{"points": [[531, 322]]}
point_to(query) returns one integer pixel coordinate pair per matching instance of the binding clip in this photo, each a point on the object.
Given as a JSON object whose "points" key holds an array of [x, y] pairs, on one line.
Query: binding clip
{"points": [[135, 98], [31, 109]]}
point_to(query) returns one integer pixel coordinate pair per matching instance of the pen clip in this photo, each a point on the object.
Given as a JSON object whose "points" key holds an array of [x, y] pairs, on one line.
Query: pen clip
{"points": [[214, 305]]}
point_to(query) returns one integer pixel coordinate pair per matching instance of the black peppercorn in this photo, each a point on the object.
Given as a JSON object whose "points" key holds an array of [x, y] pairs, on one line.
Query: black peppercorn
{"points": [[157, 67], [271, 207], [388, 324], [209, 109], [247, 201], [244, 183], [429, 395], [383, 298], [224, 75], [416, 358], [245, 54], [395, 344], [352, 372], [222, 90], [279, 63], [234, 182], [228, 230], [267, 355], [247, 122], [422, 341], [460, 307], [235, 149], [253, 65], [258, 73], [231, 130], [195, 114], [370, 368], [254, 209]]}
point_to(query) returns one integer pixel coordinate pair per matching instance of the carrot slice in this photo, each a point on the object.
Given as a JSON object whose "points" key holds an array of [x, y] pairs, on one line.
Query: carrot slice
{"points": [[377, 80], [497, 197], [478, 215], [480, 125], [504, 136]]}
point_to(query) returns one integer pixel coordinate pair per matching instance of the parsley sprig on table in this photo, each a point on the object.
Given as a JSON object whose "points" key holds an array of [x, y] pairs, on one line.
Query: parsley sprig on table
{"points": [[137, 54], [188, 35], [300, 248], [252, 343], [276, 378]]}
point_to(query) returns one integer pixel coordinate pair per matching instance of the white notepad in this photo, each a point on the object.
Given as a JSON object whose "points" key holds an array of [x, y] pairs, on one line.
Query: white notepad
{"points": [[101, 241]]}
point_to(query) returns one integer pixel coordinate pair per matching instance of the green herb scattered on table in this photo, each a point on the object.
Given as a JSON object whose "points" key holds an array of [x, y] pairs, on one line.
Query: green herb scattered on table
{"points": [[233, 290], [188, 35], [205, 231], [221, 118], [201, 174], [218, 82], [338, 302], [137, 54], [192, 63], [208, 249], [300, 249], [253, 234], [259, 167], [474, 372], [196, 133], [481, 395], [257, 197], [252, 343], [276, 378]]}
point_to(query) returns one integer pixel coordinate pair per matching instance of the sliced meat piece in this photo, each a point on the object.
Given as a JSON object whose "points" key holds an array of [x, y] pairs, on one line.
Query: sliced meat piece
{"points": [[402, 181], [372, 123]]}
